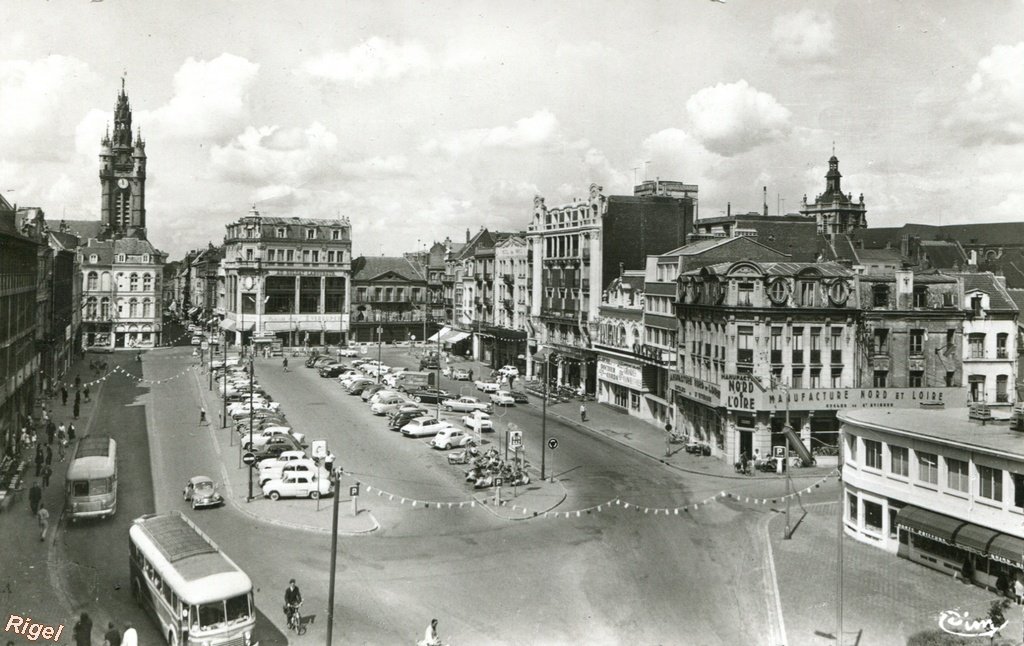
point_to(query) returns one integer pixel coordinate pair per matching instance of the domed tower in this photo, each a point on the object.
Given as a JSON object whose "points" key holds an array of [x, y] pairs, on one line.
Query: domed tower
{"points": [[123, 176], [835, 212]]}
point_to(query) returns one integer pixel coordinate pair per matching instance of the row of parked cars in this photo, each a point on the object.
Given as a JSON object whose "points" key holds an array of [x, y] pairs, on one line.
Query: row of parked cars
{"points": [[284, 468]]}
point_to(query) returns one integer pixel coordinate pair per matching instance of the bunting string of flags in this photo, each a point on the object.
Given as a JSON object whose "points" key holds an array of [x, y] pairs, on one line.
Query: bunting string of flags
{"points": [[143, 380], [614, 503]]}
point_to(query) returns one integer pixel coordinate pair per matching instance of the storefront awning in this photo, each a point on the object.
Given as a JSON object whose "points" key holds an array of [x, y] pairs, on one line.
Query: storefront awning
{"points": [[1008, 549], [929, 524], [975, 538], [213, 321], [228, 325], [455, 337], [440, 333], [192, 311]]}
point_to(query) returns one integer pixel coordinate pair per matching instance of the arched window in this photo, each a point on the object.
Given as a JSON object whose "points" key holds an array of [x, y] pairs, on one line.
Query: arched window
{"points": [[636, 336], [147, 282], [133, 283], [147, 308], [621, 341], [104, 308], [133, 307], [90, 307], [92, 280]]}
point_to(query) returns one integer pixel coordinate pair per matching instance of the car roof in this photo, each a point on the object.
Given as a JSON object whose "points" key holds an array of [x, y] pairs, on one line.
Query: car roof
{"points": [[199, 480]]}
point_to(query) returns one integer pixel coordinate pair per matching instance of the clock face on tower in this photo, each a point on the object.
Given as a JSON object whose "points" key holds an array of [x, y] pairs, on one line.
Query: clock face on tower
{"points": [[122, 183]]}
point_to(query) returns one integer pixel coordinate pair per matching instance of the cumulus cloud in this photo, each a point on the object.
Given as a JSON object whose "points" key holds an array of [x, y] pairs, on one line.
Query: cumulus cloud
{"points": [[275, 155], [733, 118], [34, 101], [994, 108], [371, 60], [209, 99], [537, 130], [803, 36]]}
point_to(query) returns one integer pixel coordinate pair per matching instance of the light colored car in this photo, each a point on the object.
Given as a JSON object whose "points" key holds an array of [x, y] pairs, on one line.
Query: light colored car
{"points": [[425, 427], [307, 466], [347, 352], [479, 422], [197, 339], [486, 386], [385, 405], [508, 370], [260, 439], [298, 485], [287, 456], [460, 374], [382, 394], [201, 492], [465, 404], [502, 398], [451, 437]]}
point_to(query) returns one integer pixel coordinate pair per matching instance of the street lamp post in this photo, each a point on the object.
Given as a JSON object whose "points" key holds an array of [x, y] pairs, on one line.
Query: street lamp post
{"points": [[249, 498], [224, 394], [380, 335], [546, 356], [335, 474]]}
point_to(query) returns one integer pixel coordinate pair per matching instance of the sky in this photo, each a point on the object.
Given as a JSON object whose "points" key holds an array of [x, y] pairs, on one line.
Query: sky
{"points": [[420, 120]]}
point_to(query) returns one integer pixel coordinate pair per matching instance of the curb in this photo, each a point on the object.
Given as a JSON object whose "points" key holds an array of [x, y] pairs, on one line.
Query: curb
{"points": [[491, 509]]}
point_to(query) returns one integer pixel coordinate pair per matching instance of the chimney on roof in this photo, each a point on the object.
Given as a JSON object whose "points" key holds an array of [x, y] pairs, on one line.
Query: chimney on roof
{"points": [[728, 209], [765, 198], [467, 235]]}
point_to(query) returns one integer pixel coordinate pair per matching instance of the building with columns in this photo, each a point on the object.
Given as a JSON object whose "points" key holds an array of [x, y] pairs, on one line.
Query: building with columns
{"points": [[286, 279]]}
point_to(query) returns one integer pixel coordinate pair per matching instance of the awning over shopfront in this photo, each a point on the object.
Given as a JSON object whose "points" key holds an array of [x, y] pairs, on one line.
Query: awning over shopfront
{"points": [[929, 524], [975, 538], [440, 333], [227, 324], [192, 311], [213, 321], [455, 337], [1008, 549]]}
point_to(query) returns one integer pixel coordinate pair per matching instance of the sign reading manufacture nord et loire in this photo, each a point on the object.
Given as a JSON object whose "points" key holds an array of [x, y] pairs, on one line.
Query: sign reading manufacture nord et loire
{"points": [[840, 398]]}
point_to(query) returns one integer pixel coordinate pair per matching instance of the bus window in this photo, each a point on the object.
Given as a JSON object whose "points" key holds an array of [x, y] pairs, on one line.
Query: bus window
{"points": [[99, 486], [238, 607], [210, 615]]}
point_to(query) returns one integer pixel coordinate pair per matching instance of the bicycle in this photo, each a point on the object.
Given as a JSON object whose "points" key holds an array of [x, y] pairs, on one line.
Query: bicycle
{"points": [[296, 621]]}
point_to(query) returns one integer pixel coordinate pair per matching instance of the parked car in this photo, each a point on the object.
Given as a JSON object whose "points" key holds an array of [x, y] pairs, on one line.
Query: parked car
{"points": [[276, 447], [480, 422], [486, 386], [357, 386], [502, 398], [430, 395], [201, 492], [298, 486], [387, 404], [401, 418], [425, 427], [508, 370], [287, 456], [196, 339], [320, 360], [347, 352], [465, 404], [371, 390], [519, 397], [261, 438], [451, 437], [460, 374], [277, 472], [332, 369], [381, 394]]}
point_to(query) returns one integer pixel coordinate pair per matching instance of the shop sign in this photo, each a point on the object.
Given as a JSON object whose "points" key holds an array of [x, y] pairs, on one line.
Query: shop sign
{"points": [[649, 352], [742, 393], [618, 373], [842, 398], [699, 390]]}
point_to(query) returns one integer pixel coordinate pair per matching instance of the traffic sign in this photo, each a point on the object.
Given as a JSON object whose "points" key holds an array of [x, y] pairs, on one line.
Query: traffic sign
{"points": [[497, 482], [249, 458], [552, 443], [515, 440], [204, 346], [353, 490], [319, 449]]}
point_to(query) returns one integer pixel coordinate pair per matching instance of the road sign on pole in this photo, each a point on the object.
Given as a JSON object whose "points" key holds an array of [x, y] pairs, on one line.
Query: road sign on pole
{"points": [[515, 440], [249, 458]]}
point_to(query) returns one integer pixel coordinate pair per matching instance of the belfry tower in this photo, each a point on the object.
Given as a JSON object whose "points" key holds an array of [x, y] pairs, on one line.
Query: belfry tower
{"points": [[123, 176], [836, 213]]}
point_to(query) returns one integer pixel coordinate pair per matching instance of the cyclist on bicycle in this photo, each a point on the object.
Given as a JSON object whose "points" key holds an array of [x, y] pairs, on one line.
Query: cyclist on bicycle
{"points": [[292, 600]]}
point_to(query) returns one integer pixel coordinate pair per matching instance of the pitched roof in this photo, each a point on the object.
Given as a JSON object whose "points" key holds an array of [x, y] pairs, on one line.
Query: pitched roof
{"points": [[781, 268], [367, 268], [1017, 296], [998, 298], [943, 254], [84, 229]]}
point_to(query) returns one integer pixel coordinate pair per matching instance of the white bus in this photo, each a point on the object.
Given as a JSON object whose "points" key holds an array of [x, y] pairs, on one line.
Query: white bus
{"points": [[91, 484], [197, 595]]}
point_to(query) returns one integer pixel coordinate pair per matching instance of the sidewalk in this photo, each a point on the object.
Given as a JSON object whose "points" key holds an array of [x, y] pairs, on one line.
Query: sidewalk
{"points": [[30, 577]]}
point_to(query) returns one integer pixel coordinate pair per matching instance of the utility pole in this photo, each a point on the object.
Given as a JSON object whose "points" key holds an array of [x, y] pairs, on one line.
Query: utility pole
{"points": [[335, 480], [249, 498]]}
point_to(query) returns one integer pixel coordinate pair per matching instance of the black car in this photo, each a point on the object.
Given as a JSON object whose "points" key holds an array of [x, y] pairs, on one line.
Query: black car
{"points": [[398, 420], [429, 396], [273, 450], [359, 385], [311, 360], [519, 397], [332, 369]]}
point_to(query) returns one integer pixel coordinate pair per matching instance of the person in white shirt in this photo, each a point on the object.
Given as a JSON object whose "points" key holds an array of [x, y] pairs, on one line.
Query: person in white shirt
{"points": [[430, 637], [130, 637]]}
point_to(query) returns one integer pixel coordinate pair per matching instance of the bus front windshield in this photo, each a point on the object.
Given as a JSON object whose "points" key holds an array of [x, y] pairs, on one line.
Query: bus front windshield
{"points": [[213, 615]]}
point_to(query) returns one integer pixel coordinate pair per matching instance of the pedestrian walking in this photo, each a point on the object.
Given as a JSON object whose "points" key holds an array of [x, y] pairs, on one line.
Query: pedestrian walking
{"points": [[471, 374], [130, 637], [35, 496], [47, 474], [49, 455], [202, 416], [44, 521], [62, 447], [76, 409], [51, 430], [39, 459], [63, 395], [583, 413], [113, 636], [78, 382], [285, 364], [86, 392], [82, 631], [71, 432], [78, 398], [26, 439]]}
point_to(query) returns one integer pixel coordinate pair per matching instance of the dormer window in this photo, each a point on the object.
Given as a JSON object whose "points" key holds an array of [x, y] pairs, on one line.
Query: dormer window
{"points": [[976, 305], [336, 234], [310, 234], [120, 257], [281, 232], [93, 258], [880, 296], [920, 296]]}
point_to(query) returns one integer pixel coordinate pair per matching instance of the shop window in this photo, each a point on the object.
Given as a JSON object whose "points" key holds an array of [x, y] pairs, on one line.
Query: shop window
{"points": [[634, 400], [927, 467], [898, 462], [990, 483], [852, 506], [873, 516], [873, 454], [957, 475]]}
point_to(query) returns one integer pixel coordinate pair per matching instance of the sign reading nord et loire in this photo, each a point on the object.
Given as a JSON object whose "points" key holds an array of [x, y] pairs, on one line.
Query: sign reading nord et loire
{"points": [[840, 398]]}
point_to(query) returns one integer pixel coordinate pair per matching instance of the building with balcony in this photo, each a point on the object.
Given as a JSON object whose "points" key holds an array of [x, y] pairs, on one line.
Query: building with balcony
{"points": [[286, 280], [579, 248], [391, 300], [200, 296], [937, 488], [621, 347], [121, 292], [511, 311], [990, 339], [19, 362]]}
